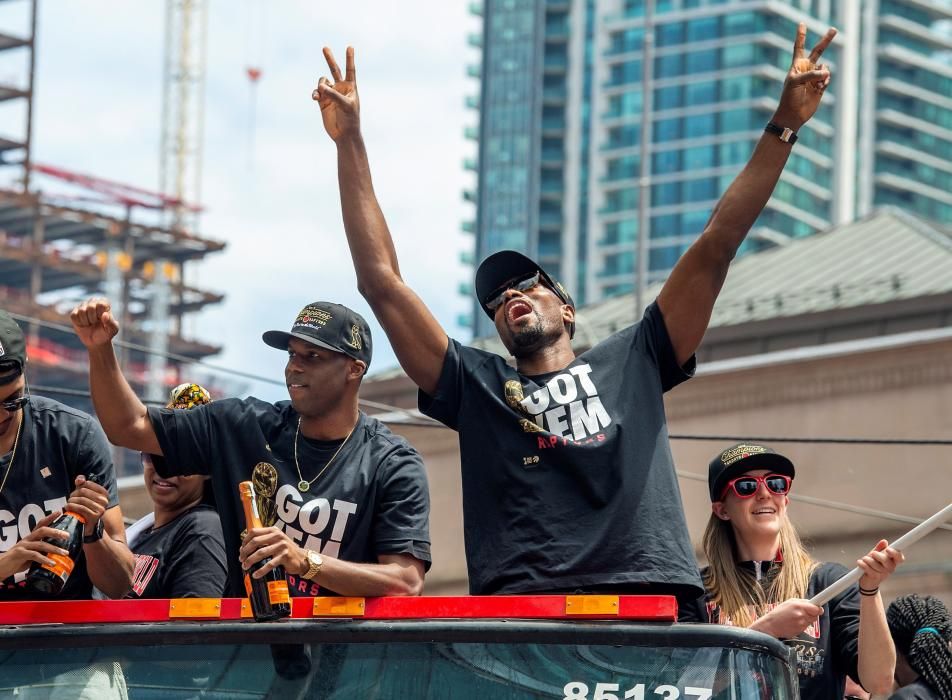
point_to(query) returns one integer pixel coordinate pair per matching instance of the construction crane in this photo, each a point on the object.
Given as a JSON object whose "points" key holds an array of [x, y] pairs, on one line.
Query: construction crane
{"points": [[180, 157], [183, 108]]}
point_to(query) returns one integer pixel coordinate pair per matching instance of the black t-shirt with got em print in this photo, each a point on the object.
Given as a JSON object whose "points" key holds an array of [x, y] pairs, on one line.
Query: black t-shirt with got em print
{"points": [[371, 500], [568, 479], [57, 443]]}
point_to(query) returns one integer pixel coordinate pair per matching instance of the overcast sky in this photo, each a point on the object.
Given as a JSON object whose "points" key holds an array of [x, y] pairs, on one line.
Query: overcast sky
{"points": [[271, 193]]}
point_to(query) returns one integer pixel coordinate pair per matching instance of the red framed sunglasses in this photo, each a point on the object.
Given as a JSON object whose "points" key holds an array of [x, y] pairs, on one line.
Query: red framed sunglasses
{"points": [[746, 486]]}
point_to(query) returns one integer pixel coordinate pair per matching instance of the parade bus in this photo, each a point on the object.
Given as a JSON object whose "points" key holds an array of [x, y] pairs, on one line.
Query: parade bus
{"points": [[502, 647]]}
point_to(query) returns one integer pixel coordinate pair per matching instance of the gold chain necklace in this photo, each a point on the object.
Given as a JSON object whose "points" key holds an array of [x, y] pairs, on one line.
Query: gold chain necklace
{"points": [[13, 453], [303, 485]]}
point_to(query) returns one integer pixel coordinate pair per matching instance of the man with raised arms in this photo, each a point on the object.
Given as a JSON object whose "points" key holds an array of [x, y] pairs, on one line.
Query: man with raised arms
{"points": [[568, 480]]}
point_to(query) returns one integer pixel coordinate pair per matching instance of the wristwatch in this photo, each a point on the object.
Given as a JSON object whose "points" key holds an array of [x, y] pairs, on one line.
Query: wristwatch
{"points": [[315, 562], [785, 134], [96, 534]]}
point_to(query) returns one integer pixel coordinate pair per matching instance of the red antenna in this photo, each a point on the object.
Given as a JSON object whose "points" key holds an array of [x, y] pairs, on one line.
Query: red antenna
{"points": [[254, 75]]}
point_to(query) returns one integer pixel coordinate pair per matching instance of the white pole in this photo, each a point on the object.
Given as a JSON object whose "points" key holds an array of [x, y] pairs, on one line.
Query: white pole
{"points": [[910, 538]]}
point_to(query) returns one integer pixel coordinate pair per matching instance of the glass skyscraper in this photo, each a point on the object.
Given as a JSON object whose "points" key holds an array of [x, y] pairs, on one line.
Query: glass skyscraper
{"points": [[566, 101]]}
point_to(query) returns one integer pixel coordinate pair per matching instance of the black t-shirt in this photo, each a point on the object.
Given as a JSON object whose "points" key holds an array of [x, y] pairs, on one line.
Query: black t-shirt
{"points": [[57, 443], [372, 500], [918, 690], [568, 480], [182, 559], [827, 651]]}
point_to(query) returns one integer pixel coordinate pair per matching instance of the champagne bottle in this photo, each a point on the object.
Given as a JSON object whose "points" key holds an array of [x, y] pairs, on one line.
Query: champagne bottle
{"points": [[50, 580], [269, 595]]}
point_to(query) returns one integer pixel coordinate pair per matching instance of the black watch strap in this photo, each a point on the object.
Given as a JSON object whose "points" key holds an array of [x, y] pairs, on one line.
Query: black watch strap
{"points": [[97, 533], [786, 135]]}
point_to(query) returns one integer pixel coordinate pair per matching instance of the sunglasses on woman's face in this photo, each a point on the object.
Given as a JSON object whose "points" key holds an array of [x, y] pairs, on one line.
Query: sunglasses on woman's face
{"points": [[746, 486]]}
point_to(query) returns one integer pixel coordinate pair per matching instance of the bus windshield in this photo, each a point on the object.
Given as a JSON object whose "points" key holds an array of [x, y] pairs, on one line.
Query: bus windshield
{"points": [[410, 659]]}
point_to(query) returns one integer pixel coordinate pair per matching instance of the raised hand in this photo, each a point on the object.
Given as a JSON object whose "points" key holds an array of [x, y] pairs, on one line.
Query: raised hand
{"points": [[340, 105], [94, 323], [879, 564], [805, 83]]}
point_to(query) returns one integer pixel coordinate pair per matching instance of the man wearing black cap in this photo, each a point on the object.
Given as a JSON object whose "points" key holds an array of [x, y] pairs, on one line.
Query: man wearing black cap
{"points": [[53, 456], [568, 481], [344, 501]]}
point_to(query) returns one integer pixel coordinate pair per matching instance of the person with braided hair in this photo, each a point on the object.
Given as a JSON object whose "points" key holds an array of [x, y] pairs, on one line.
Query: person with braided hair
{"points": [[921, 627]]}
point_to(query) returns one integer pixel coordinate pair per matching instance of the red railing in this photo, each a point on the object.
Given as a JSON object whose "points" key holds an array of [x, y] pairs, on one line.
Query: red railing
{"points": [[551, 607]]}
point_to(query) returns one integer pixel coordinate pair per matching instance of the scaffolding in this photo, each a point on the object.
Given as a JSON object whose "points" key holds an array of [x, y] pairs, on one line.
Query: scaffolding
{"points": [[84, 236]]}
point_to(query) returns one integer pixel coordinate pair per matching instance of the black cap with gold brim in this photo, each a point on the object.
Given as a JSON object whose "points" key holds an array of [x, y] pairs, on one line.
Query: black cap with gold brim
{"points": [[328, 325]]}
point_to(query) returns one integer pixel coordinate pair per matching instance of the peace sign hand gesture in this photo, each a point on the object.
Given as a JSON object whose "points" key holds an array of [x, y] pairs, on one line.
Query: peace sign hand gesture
{"points": [[340, 106], [805, 83]]}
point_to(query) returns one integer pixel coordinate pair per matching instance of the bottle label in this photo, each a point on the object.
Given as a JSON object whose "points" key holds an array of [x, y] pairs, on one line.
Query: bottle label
{"points": [[248, 585], [62, 565], [278, 592]]}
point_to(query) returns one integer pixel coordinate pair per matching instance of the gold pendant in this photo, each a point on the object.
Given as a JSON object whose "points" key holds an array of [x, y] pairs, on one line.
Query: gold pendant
{"points": [[303, 486]]}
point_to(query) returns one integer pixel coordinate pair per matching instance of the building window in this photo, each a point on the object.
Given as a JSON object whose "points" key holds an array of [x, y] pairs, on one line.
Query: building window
{"points": [[702, 61], [700, 93], [703, 29], [739, 54], [669, 66], [700, 125], [699, 157], [670, 34], [668, 97], [666, 194], [667, 130], [666, 162]]}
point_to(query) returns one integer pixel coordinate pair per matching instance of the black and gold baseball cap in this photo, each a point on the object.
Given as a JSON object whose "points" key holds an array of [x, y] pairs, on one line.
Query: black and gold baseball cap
{"points": [[328, 325], [12, 349], [505, 266], [744, 457]]}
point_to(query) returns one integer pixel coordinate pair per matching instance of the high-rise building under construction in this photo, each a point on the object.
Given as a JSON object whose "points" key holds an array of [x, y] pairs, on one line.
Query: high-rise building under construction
{"points": [[606, 127], [66, 235]]}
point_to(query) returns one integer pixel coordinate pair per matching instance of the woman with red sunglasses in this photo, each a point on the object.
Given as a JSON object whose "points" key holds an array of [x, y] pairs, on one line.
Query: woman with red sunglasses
{"points": [[760, 576]]}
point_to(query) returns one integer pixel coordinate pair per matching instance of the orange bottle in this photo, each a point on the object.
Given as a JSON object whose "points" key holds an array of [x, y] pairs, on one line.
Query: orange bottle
{"points": [[269, 595], [50, 580]]}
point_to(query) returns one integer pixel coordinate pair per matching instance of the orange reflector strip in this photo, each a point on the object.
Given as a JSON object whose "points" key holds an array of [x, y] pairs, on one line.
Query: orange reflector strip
{"points": [[246, 608], [195, 607], [591, 605], [338, 607]]}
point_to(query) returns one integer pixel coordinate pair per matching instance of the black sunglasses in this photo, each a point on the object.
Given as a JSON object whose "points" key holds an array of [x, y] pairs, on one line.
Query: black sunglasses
{"points": [[13, 405], [523, 284], [157, 462]]}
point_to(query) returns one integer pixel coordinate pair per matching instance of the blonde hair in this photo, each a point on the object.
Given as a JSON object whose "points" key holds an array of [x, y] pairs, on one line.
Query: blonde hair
{"points": [[737, 592]]}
